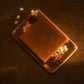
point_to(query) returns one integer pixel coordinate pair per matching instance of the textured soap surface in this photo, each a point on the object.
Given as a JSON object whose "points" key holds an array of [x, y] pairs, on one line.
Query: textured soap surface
{"points": [[43, 38]]}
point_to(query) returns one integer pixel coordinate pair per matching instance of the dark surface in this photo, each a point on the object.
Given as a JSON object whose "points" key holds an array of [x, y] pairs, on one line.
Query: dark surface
{"points": [[17, 67]]}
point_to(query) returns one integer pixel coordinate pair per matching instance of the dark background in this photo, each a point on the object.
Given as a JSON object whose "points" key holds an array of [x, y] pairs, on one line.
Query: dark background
{"points": [[17, 67]]}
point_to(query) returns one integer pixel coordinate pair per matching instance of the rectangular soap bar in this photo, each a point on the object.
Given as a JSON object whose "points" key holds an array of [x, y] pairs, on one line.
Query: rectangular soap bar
{"points": [[43, 38]]}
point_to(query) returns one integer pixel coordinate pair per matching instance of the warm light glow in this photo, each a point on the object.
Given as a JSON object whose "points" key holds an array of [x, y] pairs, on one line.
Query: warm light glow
{"points": [[18, 16], [15, 22], [21, 9], [32, 11]]}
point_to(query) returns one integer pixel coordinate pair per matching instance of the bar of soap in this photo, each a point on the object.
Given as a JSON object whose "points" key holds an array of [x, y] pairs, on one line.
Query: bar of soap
{"points": [[43, 38]]}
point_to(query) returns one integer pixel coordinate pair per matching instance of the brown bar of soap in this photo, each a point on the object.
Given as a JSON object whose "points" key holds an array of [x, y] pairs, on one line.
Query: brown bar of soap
{"points": [[43, 38]]}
